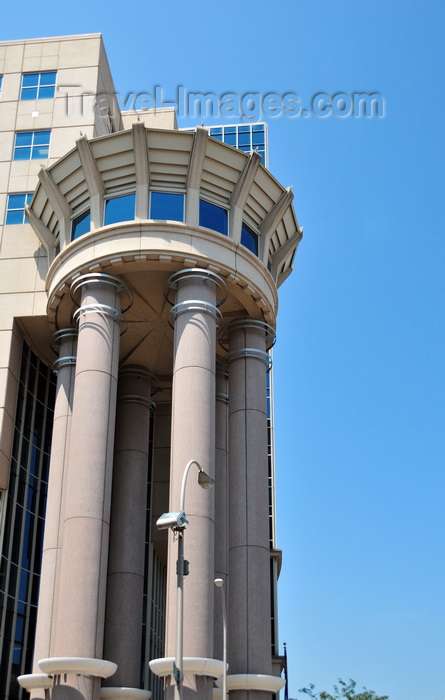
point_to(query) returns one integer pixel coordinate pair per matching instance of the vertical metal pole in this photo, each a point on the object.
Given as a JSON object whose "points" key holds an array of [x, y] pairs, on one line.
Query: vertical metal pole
{"points": [[179, 617]]}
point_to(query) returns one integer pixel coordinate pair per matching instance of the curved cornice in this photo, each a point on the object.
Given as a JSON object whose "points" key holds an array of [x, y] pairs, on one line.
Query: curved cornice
{"points": [[193, 163]]}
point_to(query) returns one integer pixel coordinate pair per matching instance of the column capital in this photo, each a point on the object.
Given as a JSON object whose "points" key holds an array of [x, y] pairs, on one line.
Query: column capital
{"points": [[195, 305], [101, 278], [60, 337], [252, 353], [247, 324], [197, 274]]}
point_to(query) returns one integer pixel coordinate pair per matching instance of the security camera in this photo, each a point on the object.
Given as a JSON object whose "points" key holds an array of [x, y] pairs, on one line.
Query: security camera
{"points": [[174, 521]]}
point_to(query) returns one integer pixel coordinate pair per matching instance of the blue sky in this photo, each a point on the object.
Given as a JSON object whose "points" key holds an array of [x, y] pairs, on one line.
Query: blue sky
{"points": [[359, 364]]}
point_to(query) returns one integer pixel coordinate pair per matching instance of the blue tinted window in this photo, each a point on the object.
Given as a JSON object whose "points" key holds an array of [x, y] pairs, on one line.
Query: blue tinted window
{"points": [[119, 209], [230, 138], [31, 145], [212, 216], [244, 139], [38, 86], [249, 239], [15, 208], [258, 138], [80, 225], [1, 81], [167, 206]]}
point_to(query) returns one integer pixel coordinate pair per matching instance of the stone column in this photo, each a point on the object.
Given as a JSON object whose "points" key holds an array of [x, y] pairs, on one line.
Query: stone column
{"points": [[221, 502], [249, 646], [65, 341], [125, 589], [81, 601], [193, 437]]}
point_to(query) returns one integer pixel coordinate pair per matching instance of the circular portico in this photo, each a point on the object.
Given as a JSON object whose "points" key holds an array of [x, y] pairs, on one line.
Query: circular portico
{"points": [[177, 219]]}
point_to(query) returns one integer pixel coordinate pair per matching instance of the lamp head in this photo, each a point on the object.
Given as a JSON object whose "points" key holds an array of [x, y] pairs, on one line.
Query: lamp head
{"points": [[205, 480], [174, 521], [219, 582]]}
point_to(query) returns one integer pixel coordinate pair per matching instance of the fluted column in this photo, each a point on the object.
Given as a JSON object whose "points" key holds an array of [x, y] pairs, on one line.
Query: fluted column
{"points": [[125, 588], [65, 341], [221, 501], [193, 437], [249, 548], [81, 601]]}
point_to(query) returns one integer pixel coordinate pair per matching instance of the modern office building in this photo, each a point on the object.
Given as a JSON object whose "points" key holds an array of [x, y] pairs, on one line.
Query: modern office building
{"points": [[139, 267]]}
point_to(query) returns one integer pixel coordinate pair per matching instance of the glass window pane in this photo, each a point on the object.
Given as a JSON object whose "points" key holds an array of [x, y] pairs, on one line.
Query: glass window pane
{"points": [[80, 225], [212, 216], [258, 138], [29, 93], [39, 152], [230, 139], [22, 154], [30, 79], [244, 129], [14, 217], [23, 138], [41, 137], [48, 78], [119, 209], [46, 93], [249, 239], [167, 205], [244, 139], [16, 201]]}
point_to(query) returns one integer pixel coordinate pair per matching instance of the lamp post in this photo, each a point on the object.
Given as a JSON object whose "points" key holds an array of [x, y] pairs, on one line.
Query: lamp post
{"points": [[177, 521], [220, 584]]}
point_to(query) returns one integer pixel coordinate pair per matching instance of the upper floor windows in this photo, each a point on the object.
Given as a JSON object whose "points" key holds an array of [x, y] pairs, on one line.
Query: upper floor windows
{"points": [[164, 206], [119, 209], [214, 217], [249, 239], [167, 206], [80, 225], [31, 145], [38, 86], [15, 208], [1, 81], [245, 137]]}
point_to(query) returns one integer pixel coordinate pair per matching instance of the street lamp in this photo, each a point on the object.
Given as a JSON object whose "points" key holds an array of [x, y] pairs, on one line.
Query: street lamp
{"points": [[220, 584], [177, 521]]}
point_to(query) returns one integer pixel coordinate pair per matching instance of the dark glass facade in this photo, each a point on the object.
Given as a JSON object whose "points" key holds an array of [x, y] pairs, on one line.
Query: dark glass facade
{"points": [[24, 511]]}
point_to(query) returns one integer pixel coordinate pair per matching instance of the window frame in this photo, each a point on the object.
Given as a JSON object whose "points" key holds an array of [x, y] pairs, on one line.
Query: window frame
{"points": [[32, 146], [78, 218], [9, 210], [254, 236], [156, 192], [39, 87], [218, 206], [115, 196]]}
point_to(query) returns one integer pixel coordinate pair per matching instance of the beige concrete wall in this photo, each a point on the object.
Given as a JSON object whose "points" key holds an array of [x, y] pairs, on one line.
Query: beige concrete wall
{"points": [[79, 61]]}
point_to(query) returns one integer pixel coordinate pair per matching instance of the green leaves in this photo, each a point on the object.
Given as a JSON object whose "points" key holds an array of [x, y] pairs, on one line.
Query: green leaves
{"points": [[342, 691]]}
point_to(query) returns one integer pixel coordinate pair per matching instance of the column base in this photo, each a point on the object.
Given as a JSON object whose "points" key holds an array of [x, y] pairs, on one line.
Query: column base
{"points": [[33, 681], [124, 694], [253, 681], [191, 664], [60, 665]]}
